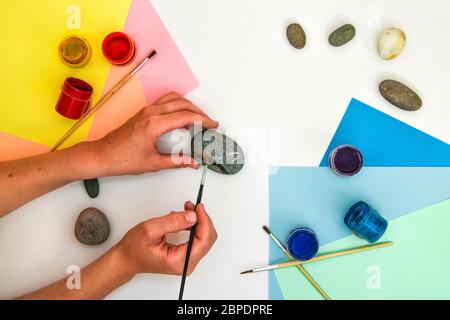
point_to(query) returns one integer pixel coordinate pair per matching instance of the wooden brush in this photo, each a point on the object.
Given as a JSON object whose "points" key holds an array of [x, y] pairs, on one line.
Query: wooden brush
{"points": [[102, 101], [321, 257], [299, 267]]}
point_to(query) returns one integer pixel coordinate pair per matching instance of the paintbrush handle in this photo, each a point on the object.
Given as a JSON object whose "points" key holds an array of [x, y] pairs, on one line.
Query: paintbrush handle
{"points": [[191, 238], [335, 254], [92, 110]]}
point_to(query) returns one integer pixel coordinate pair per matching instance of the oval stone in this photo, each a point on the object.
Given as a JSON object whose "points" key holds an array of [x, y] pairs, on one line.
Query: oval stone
{"points": [[219, 152], [400, 95], [92, 227], [296, 36], [92, 187], [391, 43], [342, 35]]}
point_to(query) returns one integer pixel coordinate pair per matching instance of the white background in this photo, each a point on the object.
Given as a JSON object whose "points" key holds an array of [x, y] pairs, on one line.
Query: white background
{"points": [[251, 79]]}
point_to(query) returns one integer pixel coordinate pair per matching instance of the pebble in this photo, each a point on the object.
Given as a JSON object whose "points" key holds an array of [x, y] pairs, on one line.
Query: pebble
{"points": [[342, 35], [296, 35], [391, 43], [92, 187], [92, 227], [400, 95], [221, 153]]}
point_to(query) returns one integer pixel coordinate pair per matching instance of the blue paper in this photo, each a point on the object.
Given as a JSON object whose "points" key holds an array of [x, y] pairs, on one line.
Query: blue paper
{"points": [[387, 142]]}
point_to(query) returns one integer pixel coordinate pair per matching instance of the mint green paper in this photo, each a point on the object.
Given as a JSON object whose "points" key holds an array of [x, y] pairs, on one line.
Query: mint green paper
{"points": [[417, 266]]}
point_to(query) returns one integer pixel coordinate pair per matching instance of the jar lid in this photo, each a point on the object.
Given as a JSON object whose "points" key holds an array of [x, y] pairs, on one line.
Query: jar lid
{"points": [[118, 48], [75, 51]]}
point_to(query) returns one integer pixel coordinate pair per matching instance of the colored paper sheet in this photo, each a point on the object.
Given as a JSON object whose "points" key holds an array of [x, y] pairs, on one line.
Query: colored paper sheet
{"points": [[415, 267], [319, 199], [167, 71], [387, 142], [34, 72]]}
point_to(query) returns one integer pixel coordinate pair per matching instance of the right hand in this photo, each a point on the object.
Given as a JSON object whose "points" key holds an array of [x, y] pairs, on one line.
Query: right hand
{"points": [[144, 248]]}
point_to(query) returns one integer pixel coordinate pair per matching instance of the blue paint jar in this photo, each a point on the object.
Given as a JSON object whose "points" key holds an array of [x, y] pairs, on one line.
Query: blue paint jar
{"points": [[365, 222], [302, 243]]}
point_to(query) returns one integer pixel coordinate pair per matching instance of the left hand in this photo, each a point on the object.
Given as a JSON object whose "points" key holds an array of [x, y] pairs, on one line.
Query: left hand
{"points": [[132, 148]]}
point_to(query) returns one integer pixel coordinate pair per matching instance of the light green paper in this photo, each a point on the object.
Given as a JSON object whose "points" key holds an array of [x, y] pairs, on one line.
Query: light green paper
{"points": [[417, 266]]}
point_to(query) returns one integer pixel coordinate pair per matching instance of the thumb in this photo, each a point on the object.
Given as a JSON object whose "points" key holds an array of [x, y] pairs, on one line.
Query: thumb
{"points": [[173, 222]]}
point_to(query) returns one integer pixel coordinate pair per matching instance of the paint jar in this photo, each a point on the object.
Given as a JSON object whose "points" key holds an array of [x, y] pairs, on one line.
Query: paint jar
{"points": [[118, 48], [346, 160], [365, 222], [75, 51], [75, 98], [302, 243]]}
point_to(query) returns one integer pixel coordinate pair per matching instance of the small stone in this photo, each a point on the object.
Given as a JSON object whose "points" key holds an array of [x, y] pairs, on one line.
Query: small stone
{"points": [[296, 35], [400, 95], [92, 187], [219, 152], [92, 227], [342, 35], [391, 43]]}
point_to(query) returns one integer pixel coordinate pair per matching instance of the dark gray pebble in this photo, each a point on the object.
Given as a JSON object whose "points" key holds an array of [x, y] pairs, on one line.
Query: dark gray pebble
{"points": [[400, 95], [92, 187], [296, 35], [221, 153], [92, 227], [342, 35]]}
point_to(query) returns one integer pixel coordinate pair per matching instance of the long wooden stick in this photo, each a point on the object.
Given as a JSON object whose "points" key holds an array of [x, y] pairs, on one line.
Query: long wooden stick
{"points": [[101, 102], [321, 257], [299, 267]]}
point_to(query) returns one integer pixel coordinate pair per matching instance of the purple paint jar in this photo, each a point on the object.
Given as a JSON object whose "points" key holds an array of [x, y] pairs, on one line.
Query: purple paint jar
{"points": [[346, 160]]}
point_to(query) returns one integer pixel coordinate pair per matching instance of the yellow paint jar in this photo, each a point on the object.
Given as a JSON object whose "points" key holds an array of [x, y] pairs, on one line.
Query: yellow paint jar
{"points": [[75, 51]]}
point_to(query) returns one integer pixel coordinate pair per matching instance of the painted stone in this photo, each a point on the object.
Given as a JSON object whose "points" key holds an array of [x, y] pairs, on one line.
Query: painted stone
{"points": [[219, 152], [391, 43], [92, 227], [92, 187], [296, 36], [400, 95], [342, 35]]}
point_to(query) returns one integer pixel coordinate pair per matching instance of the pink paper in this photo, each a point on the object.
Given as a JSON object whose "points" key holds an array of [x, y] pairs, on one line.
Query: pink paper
{"points": [[169, 70]]}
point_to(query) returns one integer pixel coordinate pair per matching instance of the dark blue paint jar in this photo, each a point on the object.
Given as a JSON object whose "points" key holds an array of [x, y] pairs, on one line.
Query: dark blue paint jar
{"points": [[365, 222], [302, 243], [346, 161]]}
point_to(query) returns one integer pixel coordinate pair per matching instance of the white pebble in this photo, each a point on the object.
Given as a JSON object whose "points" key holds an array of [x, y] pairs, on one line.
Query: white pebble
{"points": [[391, 43]]}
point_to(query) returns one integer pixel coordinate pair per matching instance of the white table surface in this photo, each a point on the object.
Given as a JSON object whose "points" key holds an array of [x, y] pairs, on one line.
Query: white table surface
{"points": [[256, 85]]}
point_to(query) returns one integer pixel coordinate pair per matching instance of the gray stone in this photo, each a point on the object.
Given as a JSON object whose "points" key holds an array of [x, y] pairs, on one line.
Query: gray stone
{"points": [[400, 95], [219, 152], [92, 227], [296, 35], [342, 35], [92, 187]]}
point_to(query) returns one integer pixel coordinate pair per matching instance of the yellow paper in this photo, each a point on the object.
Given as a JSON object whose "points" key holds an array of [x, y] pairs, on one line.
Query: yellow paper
{"points": [[31, 71]]}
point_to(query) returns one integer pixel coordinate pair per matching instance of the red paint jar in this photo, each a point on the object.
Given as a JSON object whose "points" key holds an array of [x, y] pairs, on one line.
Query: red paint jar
{"points": [[75, 98], [118, 48]]}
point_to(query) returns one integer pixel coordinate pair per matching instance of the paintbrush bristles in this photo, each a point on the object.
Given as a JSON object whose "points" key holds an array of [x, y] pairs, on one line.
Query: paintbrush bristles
{"points": [[246, 272], [267, 230]]}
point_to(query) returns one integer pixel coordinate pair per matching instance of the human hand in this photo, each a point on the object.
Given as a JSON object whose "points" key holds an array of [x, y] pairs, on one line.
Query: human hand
{"points": [[132, 148], [144, 248]]}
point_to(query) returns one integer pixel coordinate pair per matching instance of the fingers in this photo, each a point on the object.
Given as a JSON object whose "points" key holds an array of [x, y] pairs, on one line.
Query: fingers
{"points": [[171, 223], [182, 119], [166, 161], [169, 97], [179, 105], [189, 206]]}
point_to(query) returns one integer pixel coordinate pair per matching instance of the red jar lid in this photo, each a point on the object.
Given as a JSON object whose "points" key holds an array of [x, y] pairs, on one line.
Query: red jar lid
{"points": [[118, 48]]}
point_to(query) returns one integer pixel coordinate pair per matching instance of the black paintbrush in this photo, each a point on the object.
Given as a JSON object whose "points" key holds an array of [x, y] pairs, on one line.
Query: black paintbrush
{"points": [[192, 235]]}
